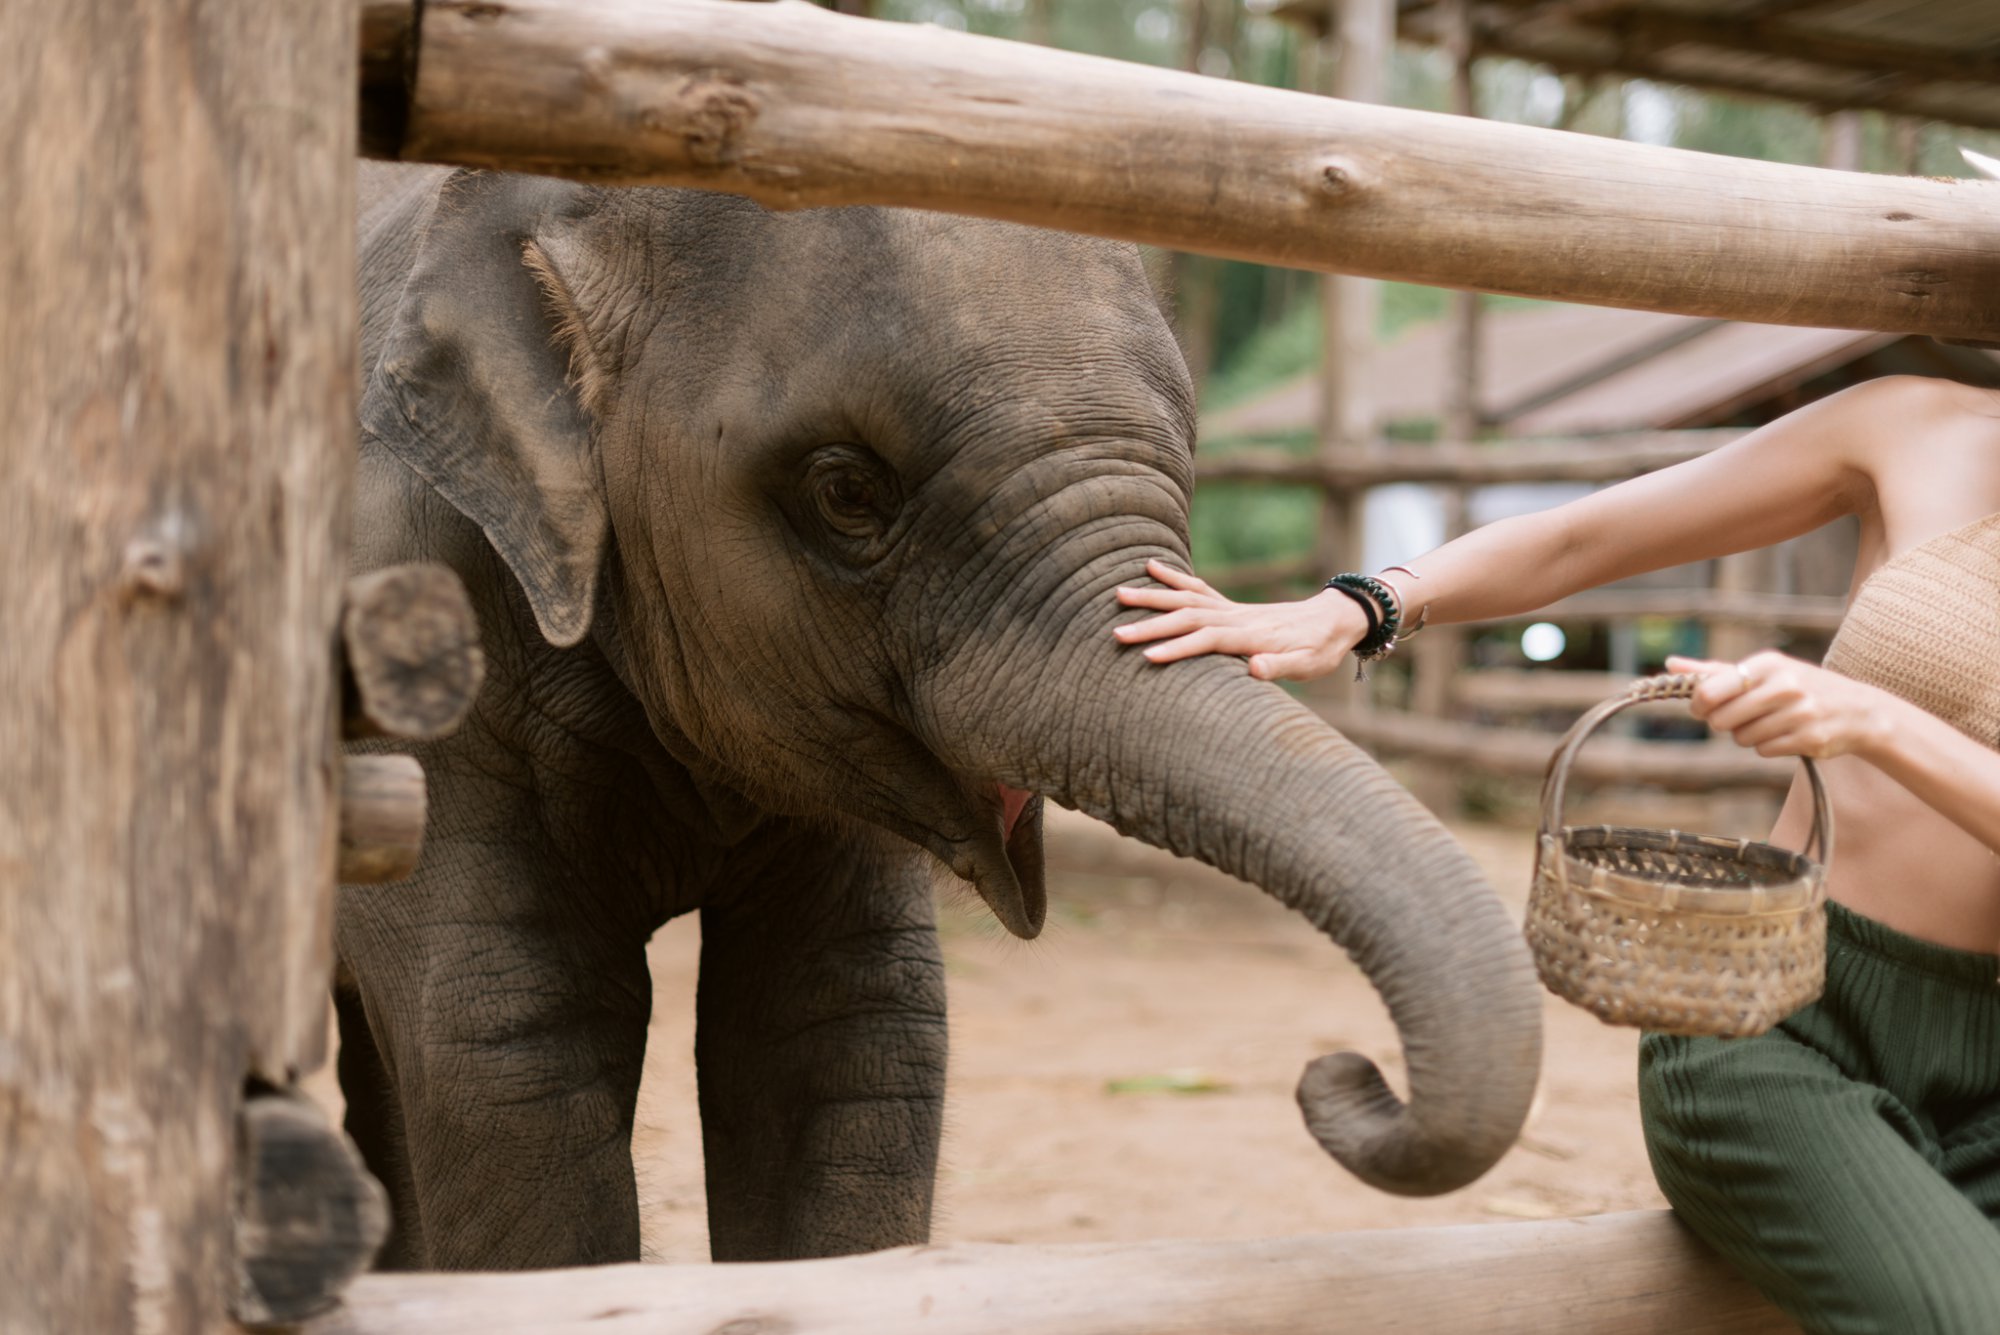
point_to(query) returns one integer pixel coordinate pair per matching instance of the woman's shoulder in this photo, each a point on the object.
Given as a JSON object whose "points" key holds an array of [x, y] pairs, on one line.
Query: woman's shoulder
{"points": [[1913, 399], [1894, 420]]}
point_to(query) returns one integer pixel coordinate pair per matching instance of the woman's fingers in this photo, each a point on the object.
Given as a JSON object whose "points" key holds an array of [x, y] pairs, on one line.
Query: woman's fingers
{"points": [[1780, 732], [1720, 683], [1160, 627], [1179, 579], [1163, 600], [1195, 643]]}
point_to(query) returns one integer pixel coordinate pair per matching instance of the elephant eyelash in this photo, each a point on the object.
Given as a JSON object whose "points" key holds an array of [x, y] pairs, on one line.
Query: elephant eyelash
{"points": [[571, 334]]}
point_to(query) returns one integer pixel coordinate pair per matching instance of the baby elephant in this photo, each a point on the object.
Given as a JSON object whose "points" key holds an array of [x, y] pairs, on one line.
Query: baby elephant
{"points": [[793, 540]]}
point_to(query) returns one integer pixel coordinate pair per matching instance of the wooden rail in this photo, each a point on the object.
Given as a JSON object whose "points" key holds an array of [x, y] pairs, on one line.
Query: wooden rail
{"points": [[1674, 766], [1622, 1274], [795, 107], [1513, 461]]}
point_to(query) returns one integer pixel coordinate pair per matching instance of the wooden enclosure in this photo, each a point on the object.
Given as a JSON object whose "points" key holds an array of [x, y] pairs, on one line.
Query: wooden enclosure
{"points": [[177, 193]]}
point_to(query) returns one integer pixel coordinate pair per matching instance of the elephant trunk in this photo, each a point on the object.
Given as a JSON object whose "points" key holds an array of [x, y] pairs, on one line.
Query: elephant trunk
{"points": [[1201, 759]]}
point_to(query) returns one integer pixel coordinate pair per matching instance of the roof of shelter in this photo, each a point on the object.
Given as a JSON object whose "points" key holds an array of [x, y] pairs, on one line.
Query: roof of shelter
{"points": [[1932, 59], [1580, 370]]}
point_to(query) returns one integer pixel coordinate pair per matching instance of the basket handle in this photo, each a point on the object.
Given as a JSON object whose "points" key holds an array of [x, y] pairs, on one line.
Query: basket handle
{"points": [[1666, 686]]}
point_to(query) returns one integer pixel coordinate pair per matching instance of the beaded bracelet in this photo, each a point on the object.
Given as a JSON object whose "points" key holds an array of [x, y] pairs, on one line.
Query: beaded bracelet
{"points": [[1378, 601]]}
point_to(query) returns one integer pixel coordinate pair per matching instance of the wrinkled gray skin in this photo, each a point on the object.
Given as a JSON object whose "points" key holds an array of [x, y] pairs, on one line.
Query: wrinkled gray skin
{"points": [[792, 538]]}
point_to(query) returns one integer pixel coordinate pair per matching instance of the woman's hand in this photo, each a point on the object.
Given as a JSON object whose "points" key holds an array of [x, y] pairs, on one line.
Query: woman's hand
{"points": [[1784, 707], [1289, 640]]}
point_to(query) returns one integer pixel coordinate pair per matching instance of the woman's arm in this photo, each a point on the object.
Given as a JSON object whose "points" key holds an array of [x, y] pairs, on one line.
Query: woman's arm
{"points": [[1803, 470], [1784, 707]]}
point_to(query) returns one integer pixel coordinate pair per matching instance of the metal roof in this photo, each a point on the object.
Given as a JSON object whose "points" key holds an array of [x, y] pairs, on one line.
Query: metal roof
{"points": [[1932, 59]]}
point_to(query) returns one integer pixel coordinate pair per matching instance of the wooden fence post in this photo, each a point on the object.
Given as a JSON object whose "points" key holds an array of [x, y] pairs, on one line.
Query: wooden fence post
{"points": [[177, 360]]}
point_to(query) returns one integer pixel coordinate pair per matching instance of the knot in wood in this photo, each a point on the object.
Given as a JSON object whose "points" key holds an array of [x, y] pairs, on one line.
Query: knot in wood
{"points": [[1335, 178], [753, 1325], [711, 112], [154, 562]]}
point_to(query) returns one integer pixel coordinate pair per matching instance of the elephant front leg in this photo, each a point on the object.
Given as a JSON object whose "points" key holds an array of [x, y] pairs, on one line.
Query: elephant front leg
{"points": [[510, 1049], [820, 1049]]}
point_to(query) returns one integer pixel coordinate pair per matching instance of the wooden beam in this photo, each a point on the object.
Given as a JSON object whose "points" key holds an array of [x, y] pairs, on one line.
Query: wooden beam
{"points": [[1530, 690], [383, 801], [1653, 28], [1636, 60], [1774, 611], [1622, 1274], [178, 346], [797, 107], [1692, 767], [1578, 459]]}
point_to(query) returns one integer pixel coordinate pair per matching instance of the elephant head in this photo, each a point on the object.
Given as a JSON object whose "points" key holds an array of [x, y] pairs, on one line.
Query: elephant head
{"points": [[847, 493]]}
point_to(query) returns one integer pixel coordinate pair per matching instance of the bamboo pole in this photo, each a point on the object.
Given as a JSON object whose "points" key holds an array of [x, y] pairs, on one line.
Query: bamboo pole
{"points": [[1625, 1274], [795, 106]]}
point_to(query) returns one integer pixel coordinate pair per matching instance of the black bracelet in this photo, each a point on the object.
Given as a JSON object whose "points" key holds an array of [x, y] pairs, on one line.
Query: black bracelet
{"points": [[1378, 600]]}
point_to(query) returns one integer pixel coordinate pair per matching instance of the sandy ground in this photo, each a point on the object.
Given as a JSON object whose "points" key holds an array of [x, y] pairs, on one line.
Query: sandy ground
{"points": [[1162, 974]]}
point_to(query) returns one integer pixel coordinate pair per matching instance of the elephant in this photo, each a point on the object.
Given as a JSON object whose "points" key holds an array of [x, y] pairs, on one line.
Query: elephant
{"points": [[793, 539]]}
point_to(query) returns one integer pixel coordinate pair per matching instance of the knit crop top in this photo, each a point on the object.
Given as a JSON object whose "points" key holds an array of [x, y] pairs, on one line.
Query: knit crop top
{"points": [[1926, 626]]}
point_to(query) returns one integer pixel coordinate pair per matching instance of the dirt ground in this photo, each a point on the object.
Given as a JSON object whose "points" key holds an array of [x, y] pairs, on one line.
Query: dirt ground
{"points": [[1129, 1075]]}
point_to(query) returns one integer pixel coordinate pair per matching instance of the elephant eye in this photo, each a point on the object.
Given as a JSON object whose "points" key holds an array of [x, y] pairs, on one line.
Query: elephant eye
{"points": [[853, 491]]}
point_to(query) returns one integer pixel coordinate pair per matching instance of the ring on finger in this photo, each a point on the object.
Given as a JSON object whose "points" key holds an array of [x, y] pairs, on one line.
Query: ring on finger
{"points": [[1748, 682]]}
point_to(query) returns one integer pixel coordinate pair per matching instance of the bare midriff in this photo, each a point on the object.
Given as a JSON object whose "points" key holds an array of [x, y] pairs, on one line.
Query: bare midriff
{"points": [[1897, 861]]}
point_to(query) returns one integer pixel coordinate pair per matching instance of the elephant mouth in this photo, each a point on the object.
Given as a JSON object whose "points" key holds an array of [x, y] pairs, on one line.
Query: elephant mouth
{"points": [[1004, 860]]}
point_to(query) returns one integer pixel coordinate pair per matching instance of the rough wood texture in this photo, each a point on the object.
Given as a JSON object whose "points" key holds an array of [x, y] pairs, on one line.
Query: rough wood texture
{"points": [[411, 658], [1625, 1274], [177, 361], [796, 106], [309, 1218], [382, 803]]}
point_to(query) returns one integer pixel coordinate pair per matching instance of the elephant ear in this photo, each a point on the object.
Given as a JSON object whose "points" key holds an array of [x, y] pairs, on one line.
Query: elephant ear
{"points": [[473, 392]]}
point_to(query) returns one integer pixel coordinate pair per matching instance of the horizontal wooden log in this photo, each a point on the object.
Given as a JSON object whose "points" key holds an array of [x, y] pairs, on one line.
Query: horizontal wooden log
{"points": [[411, 658], [1776, 611], [382, 802], [1624, 1274], [1674, 766], [1524, 690], [795, 106], [1573, 460]]}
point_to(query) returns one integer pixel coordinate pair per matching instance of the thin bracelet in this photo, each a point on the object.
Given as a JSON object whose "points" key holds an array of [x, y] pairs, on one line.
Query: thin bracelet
{"points": [[1423, 615]]}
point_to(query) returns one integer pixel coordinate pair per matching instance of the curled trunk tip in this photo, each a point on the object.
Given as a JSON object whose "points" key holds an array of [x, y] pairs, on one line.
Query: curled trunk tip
{"points": [[1357, 1118]]}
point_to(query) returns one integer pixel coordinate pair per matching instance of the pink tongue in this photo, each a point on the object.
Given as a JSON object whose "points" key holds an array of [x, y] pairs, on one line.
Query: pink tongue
{"points": [[1013, 802]]}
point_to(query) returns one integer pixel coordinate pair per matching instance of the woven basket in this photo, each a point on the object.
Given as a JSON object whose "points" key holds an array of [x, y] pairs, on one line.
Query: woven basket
{"points": [[1677, 933]]}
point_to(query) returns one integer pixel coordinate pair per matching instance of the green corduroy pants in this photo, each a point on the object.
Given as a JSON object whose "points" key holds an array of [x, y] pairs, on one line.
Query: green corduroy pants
{"points": [[1848, 1161]]}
